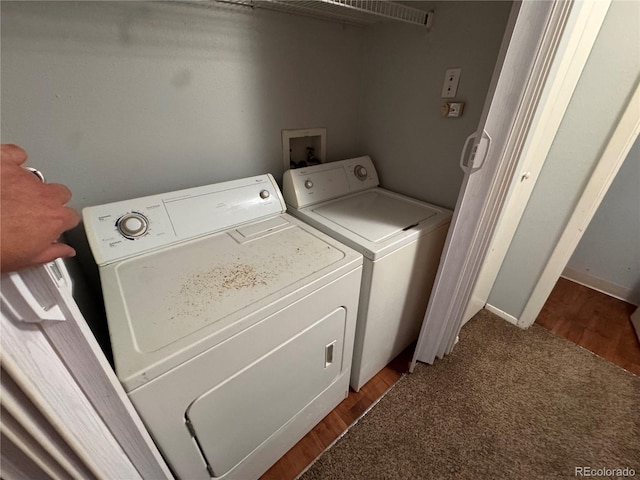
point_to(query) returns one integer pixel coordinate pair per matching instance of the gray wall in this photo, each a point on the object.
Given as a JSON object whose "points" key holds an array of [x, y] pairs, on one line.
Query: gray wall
{"points": [[612, 68], [608, 255], [415, 149], [125, 99]]}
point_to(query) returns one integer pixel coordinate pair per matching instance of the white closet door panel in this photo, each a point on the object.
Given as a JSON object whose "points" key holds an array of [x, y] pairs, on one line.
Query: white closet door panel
{"points": [[38, 371], [27, 426], [78, 353], [521, 70], [16, 465]]}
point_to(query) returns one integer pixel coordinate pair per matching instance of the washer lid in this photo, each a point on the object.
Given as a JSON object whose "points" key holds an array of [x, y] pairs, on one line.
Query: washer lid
{"points": [[160, 305], [375, 222], [375, 216]]}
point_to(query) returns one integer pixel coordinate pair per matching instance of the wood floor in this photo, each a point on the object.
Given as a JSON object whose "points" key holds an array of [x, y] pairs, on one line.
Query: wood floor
{"points": [[593, 320], [588, 318]]}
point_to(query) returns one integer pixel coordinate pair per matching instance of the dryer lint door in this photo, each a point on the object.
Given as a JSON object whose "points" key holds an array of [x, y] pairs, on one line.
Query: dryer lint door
{"points": [[235, 417]]}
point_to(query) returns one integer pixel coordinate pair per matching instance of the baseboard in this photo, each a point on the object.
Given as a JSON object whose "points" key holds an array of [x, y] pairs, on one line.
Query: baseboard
{"points": [[603, 286], [504, 315]]}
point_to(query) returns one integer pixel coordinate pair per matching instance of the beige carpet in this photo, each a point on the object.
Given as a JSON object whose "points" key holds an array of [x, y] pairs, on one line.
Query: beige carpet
{"points": [[506, 404]]}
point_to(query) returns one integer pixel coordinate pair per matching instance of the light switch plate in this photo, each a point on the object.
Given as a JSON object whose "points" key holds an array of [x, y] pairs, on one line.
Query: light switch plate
{"points": [[451, 80]]}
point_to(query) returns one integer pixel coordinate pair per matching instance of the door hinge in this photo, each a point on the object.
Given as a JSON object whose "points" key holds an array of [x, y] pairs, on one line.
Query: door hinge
{"points": [[192, 432]]}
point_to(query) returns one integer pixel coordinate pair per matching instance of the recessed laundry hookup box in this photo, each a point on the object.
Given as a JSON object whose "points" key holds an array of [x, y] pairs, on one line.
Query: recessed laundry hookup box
{"points": [[303, 147]]}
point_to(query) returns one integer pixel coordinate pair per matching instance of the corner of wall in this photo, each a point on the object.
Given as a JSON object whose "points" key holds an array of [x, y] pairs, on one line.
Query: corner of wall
{"points": [[504, 315]]}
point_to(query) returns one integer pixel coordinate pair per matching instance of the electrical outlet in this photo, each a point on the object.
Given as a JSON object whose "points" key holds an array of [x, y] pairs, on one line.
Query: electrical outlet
{"points": [[455, 109], [451, 80], [452, 109]]}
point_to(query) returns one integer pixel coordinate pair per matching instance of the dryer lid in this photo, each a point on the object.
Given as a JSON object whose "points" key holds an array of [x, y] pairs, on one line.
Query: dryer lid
{"points": [[375, 216]]}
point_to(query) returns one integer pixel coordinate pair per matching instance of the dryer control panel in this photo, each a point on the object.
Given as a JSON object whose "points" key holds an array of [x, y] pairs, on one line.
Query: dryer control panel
{"points": [[306, 186], [122, 229]]}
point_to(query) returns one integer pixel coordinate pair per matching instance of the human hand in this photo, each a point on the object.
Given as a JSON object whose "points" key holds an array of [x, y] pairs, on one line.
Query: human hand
{"points": [[32, 216]]}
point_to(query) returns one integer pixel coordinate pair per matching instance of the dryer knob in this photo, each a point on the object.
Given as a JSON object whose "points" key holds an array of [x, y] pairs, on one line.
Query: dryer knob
{"points": [[133, 225], [264, 194], [360, 172], [308, 184]]}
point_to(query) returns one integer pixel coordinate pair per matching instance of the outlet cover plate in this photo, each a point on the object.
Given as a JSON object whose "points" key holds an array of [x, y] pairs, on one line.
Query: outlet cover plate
{"points": [[451, 80]]}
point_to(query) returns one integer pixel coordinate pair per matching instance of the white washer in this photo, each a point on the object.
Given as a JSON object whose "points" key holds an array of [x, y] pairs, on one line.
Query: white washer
{"points": [[232, 323], [401, 239]]}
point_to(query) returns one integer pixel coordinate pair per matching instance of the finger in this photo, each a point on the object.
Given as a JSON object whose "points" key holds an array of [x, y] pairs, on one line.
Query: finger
{"points": [[13, 153], [59, 192], [66, 218], [70, 219], [52, 252]]}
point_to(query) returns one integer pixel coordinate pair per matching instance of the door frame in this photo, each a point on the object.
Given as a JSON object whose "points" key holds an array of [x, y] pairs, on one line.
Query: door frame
{"points": [[622, 139]]}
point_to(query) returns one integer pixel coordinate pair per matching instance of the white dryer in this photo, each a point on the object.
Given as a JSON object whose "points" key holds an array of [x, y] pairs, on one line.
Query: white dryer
{"points": [[231, 322], [401, 239]]}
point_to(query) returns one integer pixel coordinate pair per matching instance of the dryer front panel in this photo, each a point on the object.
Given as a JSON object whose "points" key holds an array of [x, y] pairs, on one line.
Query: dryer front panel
{"points": [[233, 418], [242, 404]]}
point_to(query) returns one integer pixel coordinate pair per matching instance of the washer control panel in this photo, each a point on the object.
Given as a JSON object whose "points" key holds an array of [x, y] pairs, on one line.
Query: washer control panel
{"points": [[309, 185], [122, 229], [360, 172]]}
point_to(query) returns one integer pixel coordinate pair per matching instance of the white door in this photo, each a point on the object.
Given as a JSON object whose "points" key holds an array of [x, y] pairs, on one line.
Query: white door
{"points": [[65, 415], [582, 30], [531, 39]]}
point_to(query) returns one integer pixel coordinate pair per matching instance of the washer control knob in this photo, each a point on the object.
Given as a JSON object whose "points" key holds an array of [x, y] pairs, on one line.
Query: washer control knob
{"points": [[308, 184], [360, 172], [264, 194], [133, 225]]}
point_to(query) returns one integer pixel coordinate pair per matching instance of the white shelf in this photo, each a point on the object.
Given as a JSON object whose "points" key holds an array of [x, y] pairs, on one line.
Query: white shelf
{"points": [[360, 12]]}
